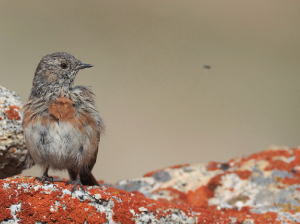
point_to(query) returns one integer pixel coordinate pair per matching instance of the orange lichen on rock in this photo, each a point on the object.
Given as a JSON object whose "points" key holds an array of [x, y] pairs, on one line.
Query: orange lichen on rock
{"points": [[56, 206], [13, 113], [48, 207], [200, 196], [288, 166], [178, 197], [212, 166], [243, 174], [263, 190], [5, 203], [279, 164], [268, 155]]}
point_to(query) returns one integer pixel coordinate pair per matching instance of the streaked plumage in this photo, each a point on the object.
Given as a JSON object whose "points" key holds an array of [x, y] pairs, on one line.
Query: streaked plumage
{"points": [[61, 123]]}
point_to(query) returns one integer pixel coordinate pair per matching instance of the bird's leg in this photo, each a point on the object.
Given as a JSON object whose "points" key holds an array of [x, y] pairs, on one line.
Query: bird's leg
{"points": [[76, 182], [45, 178]]}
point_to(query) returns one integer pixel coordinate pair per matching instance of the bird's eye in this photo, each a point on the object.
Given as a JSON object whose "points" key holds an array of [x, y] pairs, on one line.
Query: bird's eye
{"points": [[63, 65]]}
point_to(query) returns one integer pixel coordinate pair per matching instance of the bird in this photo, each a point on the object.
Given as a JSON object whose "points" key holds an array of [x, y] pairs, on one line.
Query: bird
{"points": [[61, 124]]}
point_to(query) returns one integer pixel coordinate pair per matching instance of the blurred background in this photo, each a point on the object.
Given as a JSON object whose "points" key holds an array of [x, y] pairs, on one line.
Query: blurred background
{"points": [[176, 81]]}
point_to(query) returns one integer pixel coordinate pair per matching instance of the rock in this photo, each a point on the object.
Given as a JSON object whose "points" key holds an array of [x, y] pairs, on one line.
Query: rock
{"points": [[28, 201], [12, 147], [264, 186], [261, 188]]}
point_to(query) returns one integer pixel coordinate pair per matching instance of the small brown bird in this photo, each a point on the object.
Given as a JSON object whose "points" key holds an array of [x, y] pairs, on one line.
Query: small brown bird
{"points": [[61, 123]]}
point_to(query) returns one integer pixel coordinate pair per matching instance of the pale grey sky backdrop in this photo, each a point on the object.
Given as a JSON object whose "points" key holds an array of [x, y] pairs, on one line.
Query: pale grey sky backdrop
{"points": [[160, 106]]}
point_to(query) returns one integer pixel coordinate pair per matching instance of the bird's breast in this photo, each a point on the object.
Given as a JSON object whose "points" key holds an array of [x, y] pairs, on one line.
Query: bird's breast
{"points": [[66, 138], [63, 109]]}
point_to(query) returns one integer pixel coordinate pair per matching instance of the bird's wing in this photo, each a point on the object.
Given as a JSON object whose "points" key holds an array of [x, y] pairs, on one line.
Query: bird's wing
{"points": [[87, 112]]}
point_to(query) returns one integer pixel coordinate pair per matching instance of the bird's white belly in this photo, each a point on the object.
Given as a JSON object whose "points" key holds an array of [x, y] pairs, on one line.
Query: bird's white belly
{"points": [[59, 145]]}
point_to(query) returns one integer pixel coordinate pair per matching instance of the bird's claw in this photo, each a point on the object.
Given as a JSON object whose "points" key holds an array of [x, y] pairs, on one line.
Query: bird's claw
{"points": [[45, 179], [75, 182]]}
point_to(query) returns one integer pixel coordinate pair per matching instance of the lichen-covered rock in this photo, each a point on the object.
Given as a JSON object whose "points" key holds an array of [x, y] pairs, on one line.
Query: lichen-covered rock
{"points": [[26, 200], [261, 188], [264, 186], [12, 147]]}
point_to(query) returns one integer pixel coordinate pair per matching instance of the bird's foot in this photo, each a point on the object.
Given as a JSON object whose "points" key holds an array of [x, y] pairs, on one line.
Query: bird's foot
{"points": [[75, 182], [45, 179]]}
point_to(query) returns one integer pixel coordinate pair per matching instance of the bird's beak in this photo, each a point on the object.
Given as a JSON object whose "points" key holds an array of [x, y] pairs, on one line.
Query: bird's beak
{"points": [[82, 65]]}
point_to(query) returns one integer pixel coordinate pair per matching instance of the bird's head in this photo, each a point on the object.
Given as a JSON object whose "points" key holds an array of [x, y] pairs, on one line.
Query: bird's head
{"points": [[56, 70]]}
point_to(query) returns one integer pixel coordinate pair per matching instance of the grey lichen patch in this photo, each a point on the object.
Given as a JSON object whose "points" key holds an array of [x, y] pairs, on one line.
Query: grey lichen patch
{"points": [[259, 179], [177, 216], [104, 207], [130, 185], [161, 176], [281, 174], [12, 146]]}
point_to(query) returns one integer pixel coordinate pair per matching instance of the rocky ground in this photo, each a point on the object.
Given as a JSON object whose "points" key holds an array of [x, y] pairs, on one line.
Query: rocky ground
{"points": [[261, 188]]}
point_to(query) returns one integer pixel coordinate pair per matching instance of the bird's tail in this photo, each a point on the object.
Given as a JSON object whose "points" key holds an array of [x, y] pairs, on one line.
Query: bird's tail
{"points": [[90, 180]]}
